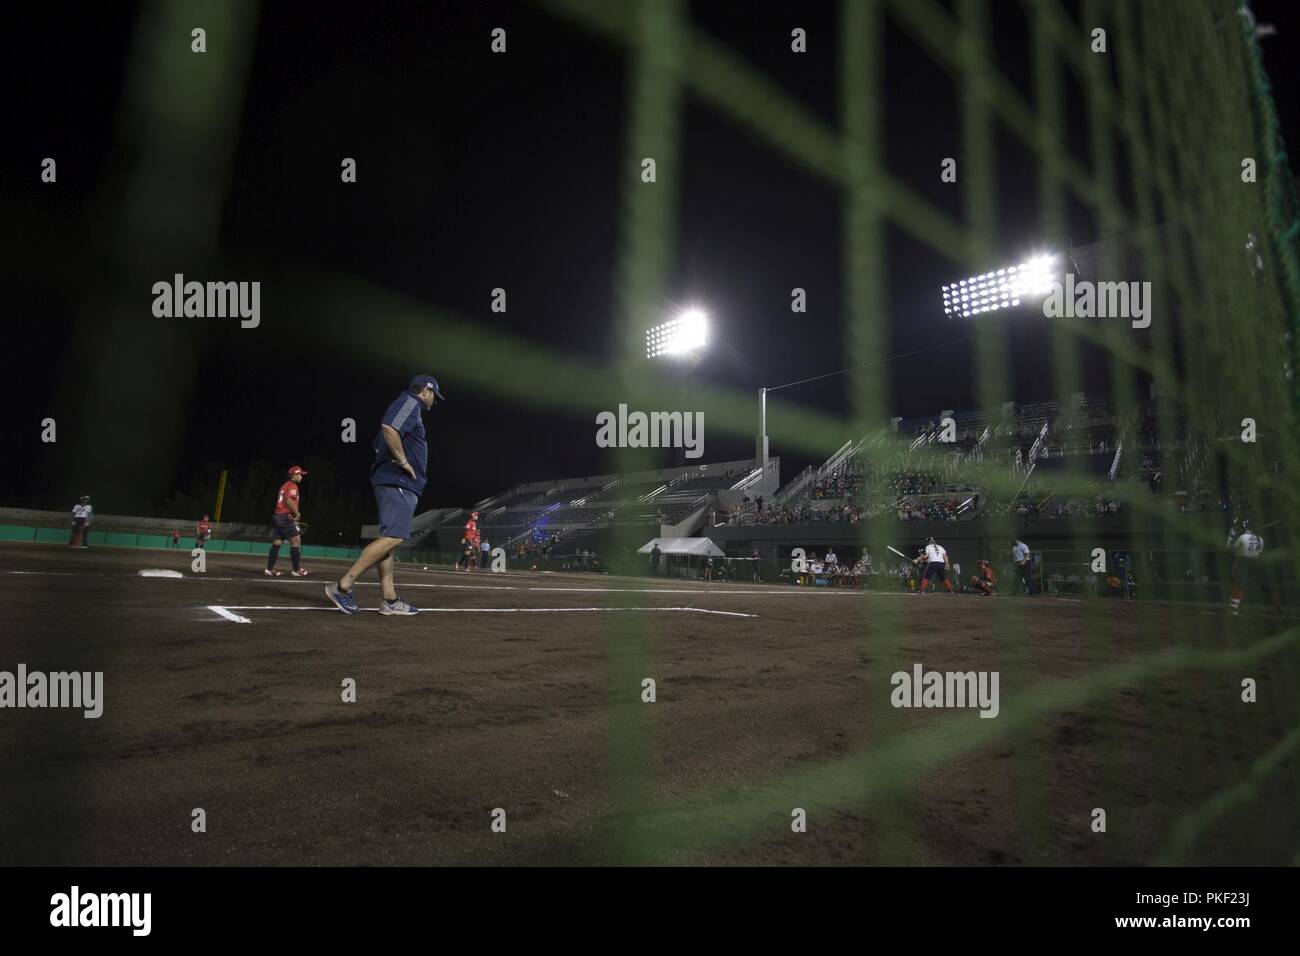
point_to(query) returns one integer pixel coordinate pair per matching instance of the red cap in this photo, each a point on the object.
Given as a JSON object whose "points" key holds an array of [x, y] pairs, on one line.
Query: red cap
{"points": [[296, 470]]}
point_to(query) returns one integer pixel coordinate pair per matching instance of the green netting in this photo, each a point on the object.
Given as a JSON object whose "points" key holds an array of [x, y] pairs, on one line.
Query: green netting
{"points": [[1181, 94]]}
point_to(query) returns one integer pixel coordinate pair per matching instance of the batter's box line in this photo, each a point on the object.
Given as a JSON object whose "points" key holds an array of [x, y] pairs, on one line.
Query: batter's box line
{"points": [[227, 611]]}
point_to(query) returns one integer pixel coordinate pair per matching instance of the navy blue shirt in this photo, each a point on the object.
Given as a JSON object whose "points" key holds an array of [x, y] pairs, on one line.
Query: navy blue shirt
{"points": [[403, 416]]}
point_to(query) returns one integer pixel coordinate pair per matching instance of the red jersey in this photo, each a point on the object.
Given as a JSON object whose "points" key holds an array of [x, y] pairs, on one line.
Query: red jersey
{"points": [[204, 528], [288, 491], [471, 532]]}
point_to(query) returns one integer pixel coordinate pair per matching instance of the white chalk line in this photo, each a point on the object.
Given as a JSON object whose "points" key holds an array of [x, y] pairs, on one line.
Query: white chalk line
{"points": [[227, 610], [262, 579], [789, 591], [224, 612]]}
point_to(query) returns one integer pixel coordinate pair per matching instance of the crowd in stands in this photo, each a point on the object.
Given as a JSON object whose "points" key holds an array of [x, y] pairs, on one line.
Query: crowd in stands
{"points": [[849, 496], [848, 483], [913, 483], [879, 479], [804, 513], [937, 508], [1051, 506], [916, 497]]}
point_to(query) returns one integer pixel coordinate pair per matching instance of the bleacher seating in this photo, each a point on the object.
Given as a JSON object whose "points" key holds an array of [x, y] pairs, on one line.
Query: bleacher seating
{"points": [[572, 509], [908, 471]]}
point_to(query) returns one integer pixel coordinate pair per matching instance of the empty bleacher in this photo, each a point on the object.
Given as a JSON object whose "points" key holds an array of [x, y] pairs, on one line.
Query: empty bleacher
{"points": [[572, 510]]}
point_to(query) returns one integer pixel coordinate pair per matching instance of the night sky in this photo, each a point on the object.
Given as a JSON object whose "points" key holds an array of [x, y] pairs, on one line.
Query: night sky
{"points": [[475, 171]]}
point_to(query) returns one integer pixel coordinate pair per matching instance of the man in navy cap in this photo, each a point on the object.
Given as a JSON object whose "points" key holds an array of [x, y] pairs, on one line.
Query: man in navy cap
{"points": [[398, 477]]}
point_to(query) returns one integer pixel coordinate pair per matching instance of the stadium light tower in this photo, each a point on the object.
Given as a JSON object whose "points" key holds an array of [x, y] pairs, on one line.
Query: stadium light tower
{"points": [[684, 335], [683, 341], [1000, 289]]}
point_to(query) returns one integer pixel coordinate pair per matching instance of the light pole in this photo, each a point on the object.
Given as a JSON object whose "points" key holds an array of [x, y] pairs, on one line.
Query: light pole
{"points": [[681, 340]]}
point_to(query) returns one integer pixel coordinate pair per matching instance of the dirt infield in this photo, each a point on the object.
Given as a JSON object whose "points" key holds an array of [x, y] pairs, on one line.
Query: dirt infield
{"points": [[524, 692]]}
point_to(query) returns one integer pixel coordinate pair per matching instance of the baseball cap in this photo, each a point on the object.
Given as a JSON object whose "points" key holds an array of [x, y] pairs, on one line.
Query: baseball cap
{"points": [[420, 381], [296, 470]]}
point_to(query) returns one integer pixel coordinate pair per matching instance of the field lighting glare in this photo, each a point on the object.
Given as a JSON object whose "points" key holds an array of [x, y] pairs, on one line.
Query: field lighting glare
{"points": [[1001, 289], [686, 333]]}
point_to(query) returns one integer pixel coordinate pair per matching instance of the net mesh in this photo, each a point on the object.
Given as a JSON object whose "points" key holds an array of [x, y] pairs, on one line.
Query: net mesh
{"points": [[1173, 108]]}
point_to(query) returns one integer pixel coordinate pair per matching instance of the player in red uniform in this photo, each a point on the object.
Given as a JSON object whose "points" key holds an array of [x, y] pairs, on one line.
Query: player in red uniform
{"points": [[471, 541], [985, 580], [284, 524], [202, 532]]}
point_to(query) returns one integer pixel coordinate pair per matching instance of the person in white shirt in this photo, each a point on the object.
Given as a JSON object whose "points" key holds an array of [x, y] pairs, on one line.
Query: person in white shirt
{"points": [[1021, 557], [82, 515], [936, 565], [831, 559], [1246, 547], [486, 549]]}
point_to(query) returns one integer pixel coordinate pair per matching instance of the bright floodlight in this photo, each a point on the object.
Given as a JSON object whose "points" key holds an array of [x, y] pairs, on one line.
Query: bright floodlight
{"points": [[688, 332], [1001, 289]]}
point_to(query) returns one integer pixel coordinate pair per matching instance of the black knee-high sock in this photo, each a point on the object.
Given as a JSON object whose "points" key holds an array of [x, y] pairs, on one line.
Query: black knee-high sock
{"points": [[296, 555], [271, 556]]}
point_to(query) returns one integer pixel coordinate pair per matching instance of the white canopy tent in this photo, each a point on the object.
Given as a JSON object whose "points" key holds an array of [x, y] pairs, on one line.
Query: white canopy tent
{"points": [[696, 547]]}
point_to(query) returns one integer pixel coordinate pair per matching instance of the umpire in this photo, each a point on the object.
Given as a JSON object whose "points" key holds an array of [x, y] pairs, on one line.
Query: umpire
{"points": [[398, 477], [1023, 559]]}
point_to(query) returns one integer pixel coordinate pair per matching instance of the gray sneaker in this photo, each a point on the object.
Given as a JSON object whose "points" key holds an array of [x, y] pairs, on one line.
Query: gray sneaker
{"points": [[343, 600], [398, 607]]}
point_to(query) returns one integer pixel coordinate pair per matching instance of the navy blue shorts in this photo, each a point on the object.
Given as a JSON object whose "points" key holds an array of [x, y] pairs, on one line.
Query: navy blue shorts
{"points": [[934, 569], [284, 527], [396, 509]]}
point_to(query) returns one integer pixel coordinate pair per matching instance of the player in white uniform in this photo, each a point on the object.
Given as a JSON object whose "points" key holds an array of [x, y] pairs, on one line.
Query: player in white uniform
{"points": [[1246, 548], [936, 564], [82, 515]]}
